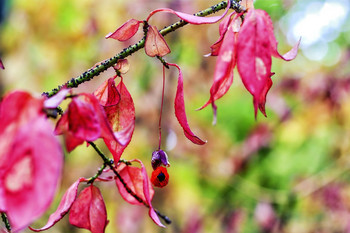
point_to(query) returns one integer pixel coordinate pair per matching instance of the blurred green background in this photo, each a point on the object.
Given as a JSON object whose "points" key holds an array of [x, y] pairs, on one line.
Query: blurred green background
{"points": [[288, 172]]}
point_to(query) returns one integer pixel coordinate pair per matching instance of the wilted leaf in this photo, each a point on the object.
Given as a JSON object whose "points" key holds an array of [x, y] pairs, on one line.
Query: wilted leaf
{"points": [[155, 45], [122, 66], [180, 112]]}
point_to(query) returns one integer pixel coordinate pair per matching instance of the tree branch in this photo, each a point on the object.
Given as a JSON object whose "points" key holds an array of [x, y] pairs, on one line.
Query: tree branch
{"points": [[104, 65], [110, 163]]}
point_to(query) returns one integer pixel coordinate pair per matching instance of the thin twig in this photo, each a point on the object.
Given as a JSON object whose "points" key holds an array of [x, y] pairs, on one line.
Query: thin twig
{"points": [[104, 65], [99, 172]]}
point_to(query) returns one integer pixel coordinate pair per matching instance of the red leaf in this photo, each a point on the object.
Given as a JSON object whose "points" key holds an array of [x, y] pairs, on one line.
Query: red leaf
{"points": [[28, 177], [254, 58], [137, 180], [85, 120], [107, 94], [82, 120], [225, 63], [126, 31], [133, 177], [215, 48], [290, 55], [64, 206], [180, 112], [148, 194], [155, 44], [121, 116], [89, 211], [62, 128], [189, 18]]}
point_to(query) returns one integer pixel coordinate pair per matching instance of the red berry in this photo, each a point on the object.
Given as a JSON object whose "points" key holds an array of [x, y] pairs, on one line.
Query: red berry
{"points": [[160, 177]]}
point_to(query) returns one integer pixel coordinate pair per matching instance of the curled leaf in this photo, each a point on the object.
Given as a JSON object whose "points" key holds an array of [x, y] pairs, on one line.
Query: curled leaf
{"points": [[126, 31], [64, 206], [122, 66], [291, 54], [107, 94], [89, 211], [180, 112], [155, 45], [191, 18]]}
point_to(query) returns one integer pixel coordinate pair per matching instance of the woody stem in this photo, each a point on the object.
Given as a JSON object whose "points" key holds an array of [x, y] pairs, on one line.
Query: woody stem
{"points": [[104, 65], [6, 222], [109, 163]]}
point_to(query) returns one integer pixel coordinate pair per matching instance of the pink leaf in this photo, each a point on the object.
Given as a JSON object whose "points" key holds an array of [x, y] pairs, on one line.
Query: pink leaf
{"points": [[147, 190], [155, 45], [121, 117], [89, 211], [29, 177], [17, 108], [290, 55], [54, 101], [64, 206], [191, 18], [126, 31], [254, 58], [133, 178], [180, 112], [225, 63]]}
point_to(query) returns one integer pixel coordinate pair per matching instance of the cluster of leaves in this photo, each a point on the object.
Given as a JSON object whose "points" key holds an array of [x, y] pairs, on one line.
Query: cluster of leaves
{"points": [[246, 38]]}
